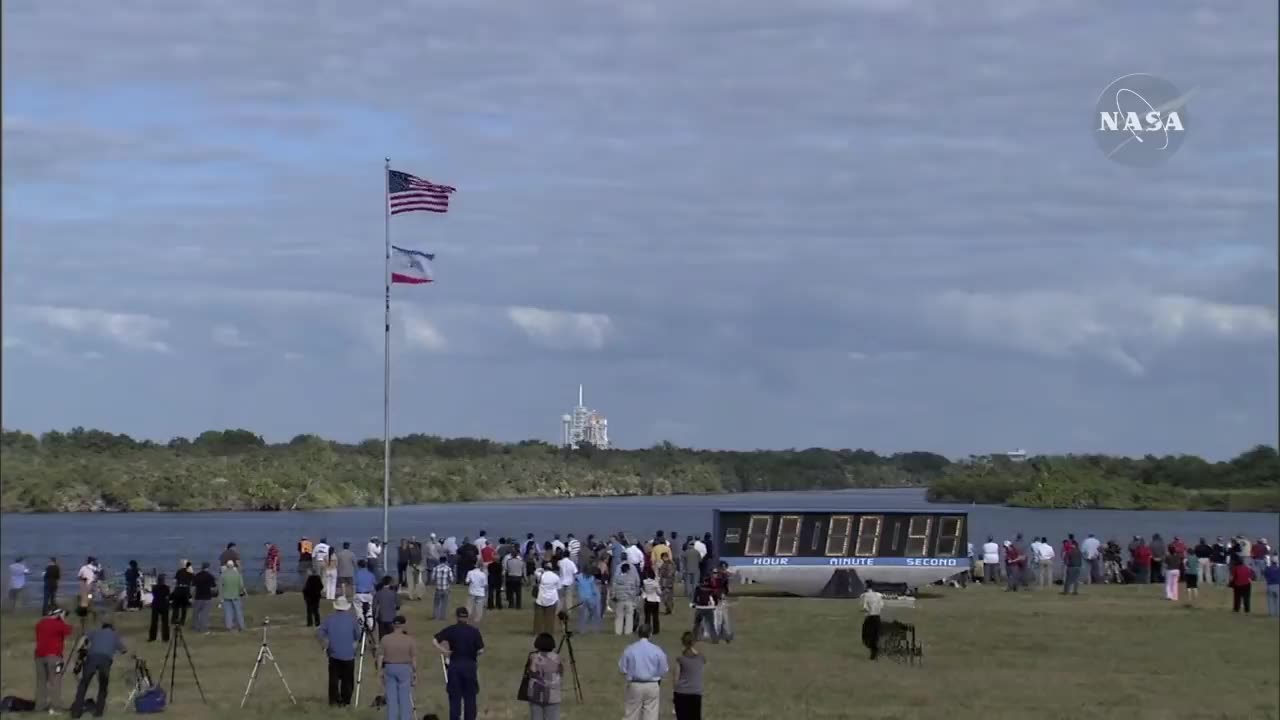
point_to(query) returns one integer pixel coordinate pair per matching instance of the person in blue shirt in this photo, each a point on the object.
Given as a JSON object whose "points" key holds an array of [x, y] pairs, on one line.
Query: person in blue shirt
{"points": [[589, 619], [340, 632], [644, 665], [463, 645], [366, 585], [102, 646], [1272, 575]]}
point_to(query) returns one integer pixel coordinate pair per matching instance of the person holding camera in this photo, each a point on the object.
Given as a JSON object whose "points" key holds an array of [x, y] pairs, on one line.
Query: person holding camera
{"points": [[102, 646], [51, 642]]}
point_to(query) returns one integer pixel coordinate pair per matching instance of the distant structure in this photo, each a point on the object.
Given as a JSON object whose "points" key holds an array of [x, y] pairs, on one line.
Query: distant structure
{"points": [[584, 425], [1018, 455]]}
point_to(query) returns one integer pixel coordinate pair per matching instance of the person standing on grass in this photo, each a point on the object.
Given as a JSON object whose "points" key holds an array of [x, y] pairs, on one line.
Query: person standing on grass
{"points": [[386, 605], [399, 662], [546, 590], [1173, 562], [51, 641], [346, 561], [180, 601], [626, 590], [1203, 552], [1272, 576], [496, 582], [18, 573], [1046, 556], [1159, 550], [52, 576], [990, 561], [442, 577], [1191, 572], [271, 569], [462, 645], [339, 634], [159, 610], [1141, 562], [1014, 562], [513, 570], [402, 562], [545, 670], [1092, 549], [687, 695], [232, 597], [1221, 573], [477, 591], [872, 605], [1241, 584], [651, 594], [312, 591], [1111, 562], [204, 586], [643, 664], [1073, 566]]}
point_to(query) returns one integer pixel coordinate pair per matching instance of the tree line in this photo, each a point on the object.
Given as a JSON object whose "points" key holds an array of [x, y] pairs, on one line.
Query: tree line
{"points": [[236, 469]]}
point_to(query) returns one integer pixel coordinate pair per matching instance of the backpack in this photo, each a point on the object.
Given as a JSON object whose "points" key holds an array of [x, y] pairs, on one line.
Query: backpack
{"points": [[151, 701], [542, 678], [13, 704]]}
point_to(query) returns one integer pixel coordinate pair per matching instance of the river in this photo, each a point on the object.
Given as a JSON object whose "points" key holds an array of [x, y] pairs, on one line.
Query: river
{"points": [[159, 540]]}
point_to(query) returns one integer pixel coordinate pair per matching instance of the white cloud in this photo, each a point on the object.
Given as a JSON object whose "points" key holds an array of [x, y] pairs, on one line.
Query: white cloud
{"points": [[128, 330], [1118, 327], [557, 329], [229, 336], [422, 334]]}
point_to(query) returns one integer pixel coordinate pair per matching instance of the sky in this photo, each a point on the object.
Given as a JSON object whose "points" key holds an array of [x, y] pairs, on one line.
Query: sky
{"points": [[739, 223]]}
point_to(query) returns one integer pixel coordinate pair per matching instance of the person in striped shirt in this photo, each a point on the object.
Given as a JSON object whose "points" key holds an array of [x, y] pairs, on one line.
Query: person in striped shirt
{"points": [[443, 577]]}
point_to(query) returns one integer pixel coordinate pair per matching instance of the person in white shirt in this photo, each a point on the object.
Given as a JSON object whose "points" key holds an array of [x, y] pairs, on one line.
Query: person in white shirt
{"points": [[88, 576], [557, 543], [320, 556], [483, 541], [545, 603], [635, 556], [872, 605], [1091, 548], [574, 547], [371, 557], [477, 591], [568, 576], [990, 561], [18, 573], [1044, 555], [701, 547]]}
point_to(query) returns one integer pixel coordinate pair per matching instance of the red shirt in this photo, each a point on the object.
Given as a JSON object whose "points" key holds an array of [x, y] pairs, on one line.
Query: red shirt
{"points": [[488, 554], [273, 558], [1142, 554], [51, 636], [1241, 575]]}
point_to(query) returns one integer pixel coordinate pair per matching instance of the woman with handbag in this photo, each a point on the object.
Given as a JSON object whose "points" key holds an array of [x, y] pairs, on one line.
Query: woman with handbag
{"points": [[540, 686]]}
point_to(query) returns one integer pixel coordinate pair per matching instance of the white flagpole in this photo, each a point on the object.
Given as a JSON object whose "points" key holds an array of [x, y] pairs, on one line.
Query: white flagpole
{"points": [[386, 366]]}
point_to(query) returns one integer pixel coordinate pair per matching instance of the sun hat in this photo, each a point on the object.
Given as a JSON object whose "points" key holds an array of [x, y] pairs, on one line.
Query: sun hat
{"points": [[341, 604]]}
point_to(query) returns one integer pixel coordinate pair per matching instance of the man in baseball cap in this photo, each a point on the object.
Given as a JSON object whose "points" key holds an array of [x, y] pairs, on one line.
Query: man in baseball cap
{"points": [[462, 645], [51, 637]]}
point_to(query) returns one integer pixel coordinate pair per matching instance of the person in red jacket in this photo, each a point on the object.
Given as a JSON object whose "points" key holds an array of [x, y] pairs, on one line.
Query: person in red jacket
{"points": [[1241, 584], [1015, 563], [1142, 564], [51, 639]]}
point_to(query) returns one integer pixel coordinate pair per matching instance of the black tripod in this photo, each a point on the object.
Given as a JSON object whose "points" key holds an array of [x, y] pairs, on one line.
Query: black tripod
{"points": [[567, 641], [170, 664]]}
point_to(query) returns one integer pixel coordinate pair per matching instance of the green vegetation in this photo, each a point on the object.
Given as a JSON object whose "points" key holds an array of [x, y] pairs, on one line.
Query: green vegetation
{"points": [[1248, 482], [92, 470], [236, 470], [1111, 653]]}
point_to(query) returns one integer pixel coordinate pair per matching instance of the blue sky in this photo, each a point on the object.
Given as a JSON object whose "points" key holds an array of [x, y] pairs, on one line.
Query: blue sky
{"points": [[844, 223]]}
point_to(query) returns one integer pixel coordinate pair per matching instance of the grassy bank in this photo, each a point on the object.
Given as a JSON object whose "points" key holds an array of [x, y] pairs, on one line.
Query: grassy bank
{"points": [[1112, 652]]}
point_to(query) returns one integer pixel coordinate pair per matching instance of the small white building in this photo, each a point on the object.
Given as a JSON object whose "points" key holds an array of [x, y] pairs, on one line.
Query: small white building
{"points": [[1018, 455]]}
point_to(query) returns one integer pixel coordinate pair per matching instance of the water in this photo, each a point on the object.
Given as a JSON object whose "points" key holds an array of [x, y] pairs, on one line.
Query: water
{"points": [[160, 540]]}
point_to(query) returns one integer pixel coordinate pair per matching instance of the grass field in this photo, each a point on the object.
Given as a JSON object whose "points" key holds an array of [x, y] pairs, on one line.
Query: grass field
{"points": [[1112, 652]]}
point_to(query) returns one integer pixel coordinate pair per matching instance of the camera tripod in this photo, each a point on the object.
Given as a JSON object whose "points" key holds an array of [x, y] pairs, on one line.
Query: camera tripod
{"points": [[170, 664], [264, 653], [141, 681], [372, 647], [567, 641]]}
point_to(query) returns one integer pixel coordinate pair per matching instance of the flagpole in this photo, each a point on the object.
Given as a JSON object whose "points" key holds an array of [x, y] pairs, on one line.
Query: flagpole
{"points": [[386, 360]]}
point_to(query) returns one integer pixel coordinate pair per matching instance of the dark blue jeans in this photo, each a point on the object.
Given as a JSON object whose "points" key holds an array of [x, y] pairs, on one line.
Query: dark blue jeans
{"points": [[463, 687]]}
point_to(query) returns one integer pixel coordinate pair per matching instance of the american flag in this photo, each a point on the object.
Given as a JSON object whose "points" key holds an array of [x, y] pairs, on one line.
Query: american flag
{"points": [[407, 193]]}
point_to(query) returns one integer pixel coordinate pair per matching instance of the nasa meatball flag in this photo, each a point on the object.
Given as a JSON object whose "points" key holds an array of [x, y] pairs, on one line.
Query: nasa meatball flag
{"points": [[404, 193], [410, 266]]}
